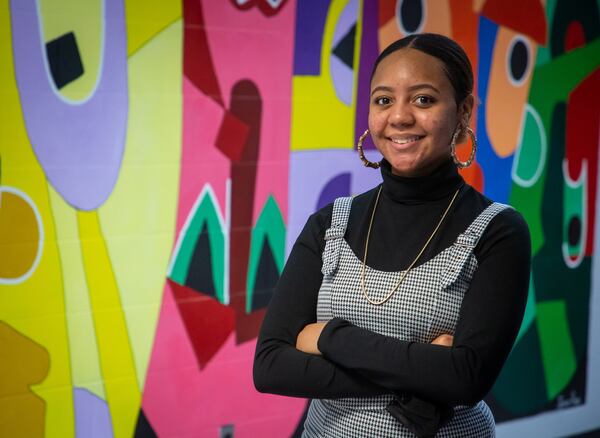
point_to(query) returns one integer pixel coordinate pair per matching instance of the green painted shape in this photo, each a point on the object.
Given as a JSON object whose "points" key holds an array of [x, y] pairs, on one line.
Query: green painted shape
{"points": [[530, 311], [270, 226], [520, 388], [543, 52], [557, 347], [204, 213], [531, 150], [573, 205], [551, 83]]}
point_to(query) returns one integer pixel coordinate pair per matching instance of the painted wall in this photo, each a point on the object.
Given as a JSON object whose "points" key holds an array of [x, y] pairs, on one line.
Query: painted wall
{"points": [[158, 159]]}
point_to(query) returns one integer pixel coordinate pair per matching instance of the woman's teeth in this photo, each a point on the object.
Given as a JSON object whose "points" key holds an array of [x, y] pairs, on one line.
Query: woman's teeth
{"points": [[405, 140]]}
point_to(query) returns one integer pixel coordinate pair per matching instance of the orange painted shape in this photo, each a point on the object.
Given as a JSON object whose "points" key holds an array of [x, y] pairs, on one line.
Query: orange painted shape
{"points": [[465, 23], [19, 236], [506, 99], [388, 33], [437, 20], [524, 16], [24, 363]]}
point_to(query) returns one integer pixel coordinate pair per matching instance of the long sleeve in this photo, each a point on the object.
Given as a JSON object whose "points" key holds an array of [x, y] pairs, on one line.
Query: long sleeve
{"points": [[490, 317], [278, 366]]}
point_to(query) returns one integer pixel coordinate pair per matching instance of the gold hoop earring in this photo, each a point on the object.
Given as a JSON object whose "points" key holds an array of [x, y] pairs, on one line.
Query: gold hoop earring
{"points": [[463, 164], [361, 152]]}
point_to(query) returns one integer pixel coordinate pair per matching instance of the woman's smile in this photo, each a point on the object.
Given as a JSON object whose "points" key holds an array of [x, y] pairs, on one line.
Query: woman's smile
{"points": [[401, 142]]}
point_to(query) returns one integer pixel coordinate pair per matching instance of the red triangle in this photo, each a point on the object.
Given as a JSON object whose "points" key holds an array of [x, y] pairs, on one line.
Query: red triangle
{"points": [[208, 323]]}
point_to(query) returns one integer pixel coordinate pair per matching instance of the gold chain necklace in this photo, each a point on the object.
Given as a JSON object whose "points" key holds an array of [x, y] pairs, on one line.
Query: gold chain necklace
{"points": [[403, 275]]}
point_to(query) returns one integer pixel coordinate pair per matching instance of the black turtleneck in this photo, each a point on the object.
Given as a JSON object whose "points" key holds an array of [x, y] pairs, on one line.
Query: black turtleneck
{"points": [[357, 362]]}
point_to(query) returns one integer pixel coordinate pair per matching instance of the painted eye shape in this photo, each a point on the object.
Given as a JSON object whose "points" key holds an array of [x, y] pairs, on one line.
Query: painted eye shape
{"points": [[518, 60], [575, 222], [410, 15]]}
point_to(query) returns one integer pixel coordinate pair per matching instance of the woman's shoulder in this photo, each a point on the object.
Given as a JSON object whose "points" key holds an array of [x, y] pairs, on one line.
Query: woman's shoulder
{"points": [[318, 222], [322, 217], [507, 227]]}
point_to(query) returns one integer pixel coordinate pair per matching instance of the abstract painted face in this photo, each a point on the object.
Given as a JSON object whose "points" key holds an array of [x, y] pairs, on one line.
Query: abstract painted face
{"points": [[413, 113]]}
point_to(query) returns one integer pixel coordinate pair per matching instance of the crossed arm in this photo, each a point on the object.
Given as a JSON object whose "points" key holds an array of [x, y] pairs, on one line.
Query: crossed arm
{"points": [[297, 357]]}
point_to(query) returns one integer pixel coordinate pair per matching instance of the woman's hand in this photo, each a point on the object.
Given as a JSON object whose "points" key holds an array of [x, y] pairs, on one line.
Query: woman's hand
{"points": [[444, 340], [307, 338]]}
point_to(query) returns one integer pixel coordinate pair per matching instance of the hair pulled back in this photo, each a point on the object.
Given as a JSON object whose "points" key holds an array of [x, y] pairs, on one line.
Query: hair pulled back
{"points": [[457, 66]]}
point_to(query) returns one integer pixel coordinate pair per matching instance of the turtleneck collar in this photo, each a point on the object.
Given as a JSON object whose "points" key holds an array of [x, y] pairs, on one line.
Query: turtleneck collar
{"points": [[442, 182]]}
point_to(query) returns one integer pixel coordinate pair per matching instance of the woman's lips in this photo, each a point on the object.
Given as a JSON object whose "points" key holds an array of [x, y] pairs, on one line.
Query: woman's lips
{"points": [[405, 141]]}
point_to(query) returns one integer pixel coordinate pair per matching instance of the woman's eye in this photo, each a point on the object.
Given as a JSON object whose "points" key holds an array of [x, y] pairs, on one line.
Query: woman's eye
{"points": [[424, 100], [383, 100]]}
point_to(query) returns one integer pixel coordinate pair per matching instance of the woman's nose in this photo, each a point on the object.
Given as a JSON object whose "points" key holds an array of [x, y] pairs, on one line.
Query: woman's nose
{"points": [[401, 114]]}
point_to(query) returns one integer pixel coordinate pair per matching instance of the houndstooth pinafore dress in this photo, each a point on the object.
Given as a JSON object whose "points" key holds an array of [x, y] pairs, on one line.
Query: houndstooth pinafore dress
{"points": [[425, 306]]}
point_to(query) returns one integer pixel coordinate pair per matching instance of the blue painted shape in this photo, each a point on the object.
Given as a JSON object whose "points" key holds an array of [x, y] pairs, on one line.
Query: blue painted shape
{"points": [[496, 170], [92, 417], [336, 187], [310, 27]]}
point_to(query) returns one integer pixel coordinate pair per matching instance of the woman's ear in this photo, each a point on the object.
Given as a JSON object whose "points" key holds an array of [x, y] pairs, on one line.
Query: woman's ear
{"points": [[465, 110]]}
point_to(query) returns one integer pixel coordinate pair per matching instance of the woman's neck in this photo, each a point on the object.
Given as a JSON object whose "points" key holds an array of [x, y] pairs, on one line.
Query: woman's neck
{"points": [[441, 182]]}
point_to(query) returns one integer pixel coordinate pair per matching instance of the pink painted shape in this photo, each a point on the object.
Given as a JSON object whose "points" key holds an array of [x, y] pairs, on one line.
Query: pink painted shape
{"points": [[249, 45], [179, 400], [201, 161]]}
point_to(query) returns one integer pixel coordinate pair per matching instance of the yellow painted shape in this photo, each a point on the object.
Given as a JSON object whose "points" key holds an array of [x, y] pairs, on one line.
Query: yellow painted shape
{"points": [[85, 19], [85, 362], [147, 18], [19, 236], [505, 103], [116, 358], [138, 219], [36, 306], [319, 119]]}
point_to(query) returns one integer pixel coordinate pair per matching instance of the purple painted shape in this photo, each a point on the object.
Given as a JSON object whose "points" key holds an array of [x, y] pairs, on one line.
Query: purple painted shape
{"points": [[369, 50], [341, 74], [310, 27], [78, 144], [336, 187], [92, 417], [310, 171]]}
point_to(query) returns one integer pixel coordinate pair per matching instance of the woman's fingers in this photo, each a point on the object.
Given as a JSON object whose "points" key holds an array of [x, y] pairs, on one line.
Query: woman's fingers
{"points": [[445, 340]]}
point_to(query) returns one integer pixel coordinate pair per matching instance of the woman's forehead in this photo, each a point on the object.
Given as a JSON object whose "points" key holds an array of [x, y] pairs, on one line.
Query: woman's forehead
{"points": [[407, 67]]}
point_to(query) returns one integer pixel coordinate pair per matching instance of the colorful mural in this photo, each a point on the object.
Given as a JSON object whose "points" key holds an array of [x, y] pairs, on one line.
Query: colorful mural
{"points": [[158, 160]]}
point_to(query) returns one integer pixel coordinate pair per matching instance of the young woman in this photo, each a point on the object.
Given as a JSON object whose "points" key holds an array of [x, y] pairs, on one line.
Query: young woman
{"points": [[397, 308]]}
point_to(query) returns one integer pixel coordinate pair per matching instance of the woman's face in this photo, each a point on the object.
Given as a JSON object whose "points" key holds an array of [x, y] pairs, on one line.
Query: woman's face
{"points": [[413, 114]]}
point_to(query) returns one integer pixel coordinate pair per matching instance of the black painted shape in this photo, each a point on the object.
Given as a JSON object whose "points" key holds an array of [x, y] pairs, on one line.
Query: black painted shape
{"points": [[411, 14], [226, 431], [344, 50], [267, 276], [566, 11], [519, 59], [143, 428], [574, 230], [199, 276], [64, 59]]}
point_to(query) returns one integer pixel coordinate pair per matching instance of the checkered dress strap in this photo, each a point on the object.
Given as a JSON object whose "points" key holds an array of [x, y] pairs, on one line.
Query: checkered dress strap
{"points": [[466, 242], [335, 234]]}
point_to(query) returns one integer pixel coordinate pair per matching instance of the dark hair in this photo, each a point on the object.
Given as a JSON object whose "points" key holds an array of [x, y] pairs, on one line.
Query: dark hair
{"points": [[456, 63]]}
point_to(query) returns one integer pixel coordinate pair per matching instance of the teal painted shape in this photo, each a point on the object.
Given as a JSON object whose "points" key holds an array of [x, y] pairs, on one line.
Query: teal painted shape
{"points": [[204, 213], [269, 227]]}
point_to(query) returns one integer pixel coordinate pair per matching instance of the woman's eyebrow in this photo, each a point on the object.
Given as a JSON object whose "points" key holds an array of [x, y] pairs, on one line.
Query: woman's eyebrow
{"points": [[423, 85], [382, 88], [411, 88]]}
